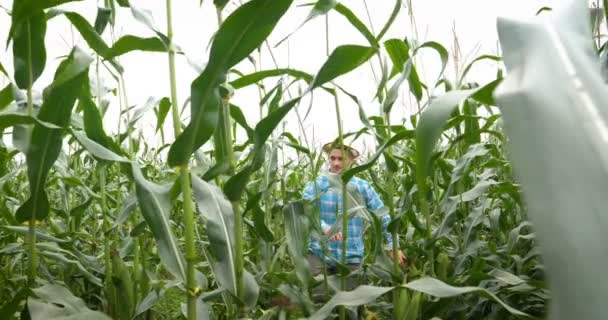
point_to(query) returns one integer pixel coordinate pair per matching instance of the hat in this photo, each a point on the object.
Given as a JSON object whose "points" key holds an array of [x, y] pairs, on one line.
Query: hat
{"points": [[328, 147]]}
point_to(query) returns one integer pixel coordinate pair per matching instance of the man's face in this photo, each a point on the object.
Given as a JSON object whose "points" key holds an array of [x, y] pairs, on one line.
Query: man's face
{"points": [[337, 163]]}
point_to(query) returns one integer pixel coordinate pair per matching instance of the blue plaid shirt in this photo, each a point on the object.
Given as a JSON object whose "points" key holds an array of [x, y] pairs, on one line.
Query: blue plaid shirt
{"points": [[328, 200]]}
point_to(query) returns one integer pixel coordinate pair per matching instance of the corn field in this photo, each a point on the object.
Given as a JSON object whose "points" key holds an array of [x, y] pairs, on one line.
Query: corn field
{"points": [[185, 207]]}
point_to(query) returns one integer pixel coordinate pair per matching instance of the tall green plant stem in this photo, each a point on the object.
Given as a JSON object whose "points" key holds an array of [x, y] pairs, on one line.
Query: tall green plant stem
{"points": [[184, 180], [33, 260], [344, 202]]}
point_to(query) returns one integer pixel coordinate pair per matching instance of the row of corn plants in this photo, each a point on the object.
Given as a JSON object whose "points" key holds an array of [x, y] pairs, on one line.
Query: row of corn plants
{"points": [[114, 226]]}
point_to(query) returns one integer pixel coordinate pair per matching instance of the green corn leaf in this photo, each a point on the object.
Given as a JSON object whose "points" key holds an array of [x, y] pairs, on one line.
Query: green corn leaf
{"points": [[6, 96], [343, 59], [96, 149], [391, 19], [243, 31], [101, 20], [355, 22], [398, 52], [45, 143], [123, 45], [29, 51], [237, 115], [55, 302], [555, 117], [93, 124], [163, 109], [360, 296], [439, 289], [252, 78], [297, 232], [219, 217], [155, 204]]}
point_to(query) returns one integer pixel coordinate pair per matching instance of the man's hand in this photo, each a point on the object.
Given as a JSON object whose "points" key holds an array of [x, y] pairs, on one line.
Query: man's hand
{"points": [[400, 257], [336, 237]]}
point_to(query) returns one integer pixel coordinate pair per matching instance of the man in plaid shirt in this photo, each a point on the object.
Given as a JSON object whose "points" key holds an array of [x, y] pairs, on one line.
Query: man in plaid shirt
{"points": [[328, 192]]}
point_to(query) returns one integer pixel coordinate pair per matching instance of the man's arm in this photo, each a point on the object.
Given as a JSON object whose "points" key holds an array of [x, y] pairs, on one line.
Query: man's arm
{"points": [[374, 204]]}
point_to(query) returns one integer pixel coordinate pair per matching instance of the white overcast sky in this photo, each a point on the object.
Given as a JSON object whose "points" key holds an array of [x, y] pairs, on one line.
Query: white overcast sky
{"points": [[146, 74]]}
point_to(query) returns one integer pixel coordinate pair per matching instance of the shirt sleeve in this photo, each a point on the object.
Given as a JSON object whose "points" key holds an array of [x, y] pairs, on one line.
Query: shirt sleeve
{"points": [[375, 205]]}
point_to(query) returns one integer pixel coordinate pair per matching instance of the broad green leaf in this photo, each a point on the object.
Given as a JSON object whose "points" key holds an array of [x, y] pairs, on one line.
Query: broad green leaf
{"points": [[3, 70], [163, 109], [93, 124], [439, 289], [555, 118], [123, 45], [297, 234], [29, 51], [506, 277], [219, 218], [39, 234], [45, 143], [53, 252], [58, 303], [252, 78], [6, 96], [155, 204], [96, 149], [130, 43], [398, 51], [237, 115], [260, 226], [355, 22], [360, 296], [343, 59], [101, 20], [26, 8], [243, 31]]}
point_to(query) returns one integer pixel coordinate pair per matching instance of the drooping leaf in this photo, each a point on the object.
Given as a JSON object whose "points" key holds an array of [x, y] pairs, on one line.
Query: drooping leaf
{"points": [[361, 295], [355, 22], [391, 19], [96, 149], [252, 78], [343, 59], [6, 96], [155, 204], [58, 303], [163, 109], [219, 217], [243, 31], [398, 51], [45, 143], [440, 289], [122, 46]]}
